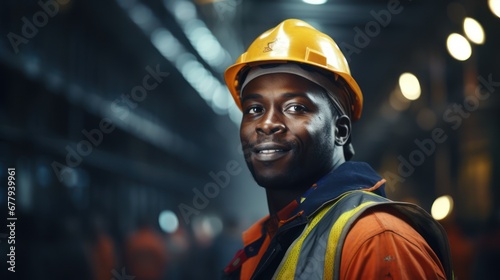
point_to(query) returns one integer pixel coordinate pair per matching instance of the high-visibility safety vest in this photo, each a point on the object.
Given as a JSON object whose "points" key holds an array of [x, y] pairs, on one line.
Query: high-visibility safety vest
{"points": [[316, 252]]}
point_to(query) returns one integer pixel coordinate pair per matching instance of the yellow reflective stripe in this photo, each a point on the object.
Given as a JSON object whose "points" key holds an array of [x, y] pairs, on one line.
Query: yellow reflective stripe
{"points": [[333, 239], [287, 269]]}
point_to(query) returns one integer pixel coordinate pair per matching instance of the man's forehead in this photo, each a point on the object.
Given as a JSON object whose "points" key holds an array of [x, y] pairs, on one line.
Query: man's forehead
{"points": [[284, 85], [289, 81], [282, 68]]}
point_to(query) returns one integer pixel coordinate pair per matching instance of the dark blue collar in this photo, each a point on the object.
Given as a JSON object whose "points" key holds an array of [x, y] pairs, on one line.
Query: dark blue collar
{"points": [[347, 177]]}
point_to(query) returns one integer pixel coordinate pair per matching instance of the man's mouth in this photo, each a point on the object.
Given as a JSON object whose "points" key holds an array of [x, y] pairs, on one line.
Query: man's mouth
{"points": [[270, 151]]}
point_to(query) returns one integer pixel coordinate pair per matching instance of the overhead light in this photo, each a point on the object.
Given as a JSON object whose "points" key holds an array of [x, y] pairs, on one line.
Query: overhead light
{"points": [[474, 31], [442, 207], [184, 10], [166, 43], [315, 2], [458, 47], [196, 74], [409, 85], [494, 7]]}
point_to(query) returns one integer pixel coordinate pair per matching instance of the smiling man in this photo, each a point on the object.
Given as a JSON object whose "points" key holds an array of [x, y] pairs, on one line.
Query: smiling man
{"points": [[329, 218]]}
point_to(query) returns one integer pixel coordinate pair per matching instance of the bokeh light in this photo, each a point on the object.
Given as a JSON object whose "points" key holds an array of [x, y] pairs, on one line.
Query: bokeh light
{"points": [[494, 7], [458, 47], [168, 221], [442, 207], [315, 2], [474, 31], [410, 86]]}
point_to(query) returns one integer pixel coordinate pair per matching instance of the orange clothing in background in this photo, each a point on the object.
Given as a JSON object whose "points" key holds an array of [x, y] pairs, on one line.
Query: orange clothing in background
{"points": [[146, 255], [103, 257]]}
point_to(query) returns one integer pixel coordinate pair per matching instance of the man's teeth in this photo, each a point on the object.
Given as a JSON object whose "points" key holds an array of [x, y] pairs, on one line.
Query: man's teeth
{"points": [[269, 151]]}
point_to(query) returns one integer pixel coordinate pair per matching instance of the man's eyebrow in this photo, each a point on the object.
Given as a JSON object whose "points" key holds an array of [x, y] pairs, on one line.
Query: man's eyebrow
{"points": [[251, 96], [294, 94], [285, 95]]}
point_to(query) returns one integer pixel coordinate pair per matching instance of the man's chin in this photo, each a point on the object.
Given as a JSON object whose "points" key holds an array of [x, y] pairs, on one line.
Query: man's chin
{"points": [[275, 181], [274, 176]]}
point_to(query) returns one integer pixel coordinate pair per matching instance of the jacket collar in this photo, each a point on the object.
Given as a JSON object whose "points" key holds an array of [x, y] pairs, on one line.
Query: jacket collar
{"points": [[347, 177]]}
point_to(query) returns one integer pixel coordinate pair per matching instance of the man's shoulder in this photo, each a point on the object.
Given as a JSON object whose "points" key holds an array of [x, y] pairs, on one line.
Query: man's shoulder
{"points": [[383, 219], [384, 231]]}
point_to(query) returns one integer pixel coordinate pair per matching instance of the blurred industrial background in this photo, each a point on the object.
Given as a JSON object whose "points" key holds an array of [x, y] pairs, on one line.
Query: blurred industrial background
{"points": [[125, 140]]}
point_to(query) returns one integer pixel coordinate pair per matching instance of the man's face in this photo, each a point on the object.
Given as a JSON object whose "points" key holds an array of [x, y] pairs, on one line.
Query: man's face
{"points": [[287, 131]]}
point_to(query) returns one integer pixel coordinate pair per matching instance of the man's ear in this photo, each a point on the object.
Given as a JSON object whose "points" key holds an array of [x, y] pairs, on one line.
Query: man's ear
{"points": [[342, 130]]}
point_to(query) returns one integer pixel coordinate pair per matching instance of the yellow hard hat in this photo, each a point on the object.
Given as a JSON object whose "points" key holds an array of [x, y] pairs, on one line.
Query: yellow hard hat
{"points": [[294, 40]]}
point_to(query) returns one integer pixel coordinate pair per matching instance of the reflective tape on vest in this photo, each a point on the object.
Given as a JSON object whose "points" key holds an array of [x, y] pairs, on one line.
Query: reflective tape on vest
{"points": [[316, 253]]}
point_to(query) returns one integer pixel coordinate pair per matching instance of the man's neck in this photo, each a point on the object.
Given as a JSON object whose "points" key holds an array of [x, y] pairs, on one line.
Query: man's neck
{"points": [[278, 199]]}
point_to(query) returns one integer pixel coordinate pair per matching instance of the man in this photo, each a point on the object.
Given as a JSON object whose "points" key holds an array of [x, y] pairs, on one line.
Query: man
{"points": [[328, 216]]}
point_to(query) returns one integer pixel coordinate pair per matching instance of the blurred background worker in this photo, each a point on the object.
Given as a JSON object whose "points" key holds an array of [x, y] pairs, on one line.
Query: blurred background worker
{"points": [[145, 254], [118, 109]]}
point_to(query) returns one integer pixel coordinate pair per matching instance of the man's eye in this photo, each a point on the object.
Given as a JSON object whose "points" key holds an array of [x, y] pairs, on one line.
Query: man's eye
{"points": [[254, 110], [296, 108]]}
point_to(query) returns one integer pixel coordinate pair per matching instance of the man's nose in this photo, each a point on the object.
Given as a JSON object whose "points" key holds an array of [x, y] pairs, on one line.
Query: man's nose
{"points": [[271, 123]]}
